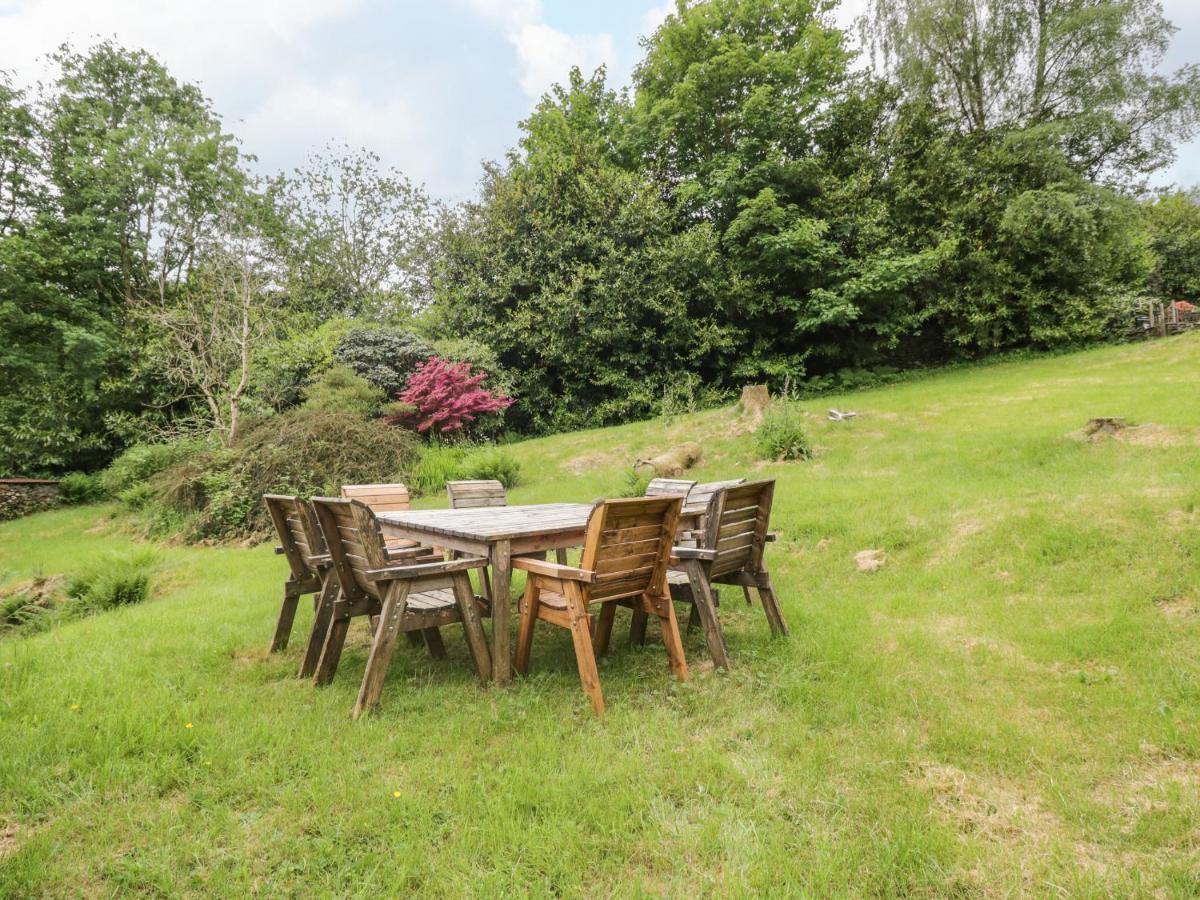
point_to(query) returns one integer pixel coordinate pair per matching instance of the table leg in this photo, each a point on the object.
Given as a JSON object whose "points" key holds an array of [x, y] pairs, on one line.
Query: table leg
{"points": [[500, 558]]}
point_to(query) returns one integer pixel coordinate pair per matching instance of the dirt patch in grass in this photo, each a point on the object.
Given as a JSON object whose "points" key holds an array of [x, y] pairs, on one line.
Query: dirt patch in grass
{"points": [[1178, 607], [963, 529], [991, 807], [1146, 784], [1146, 435], [588, 461], [8, 838]]}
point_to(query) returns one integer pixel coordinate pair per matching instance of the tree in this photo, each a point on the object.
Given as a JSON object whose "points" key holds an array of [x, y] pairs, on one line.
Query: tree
{"points": [[19, 160], [577, 274], [1173, 223], [446, 396], [206, 333], [386, 357], [356, 237], [1083, 73]]}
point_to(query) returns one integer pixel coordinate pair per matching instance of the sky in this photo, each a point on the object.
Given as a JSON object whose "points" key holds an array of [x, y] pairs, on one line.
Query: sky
{"points": [[434, 88]]}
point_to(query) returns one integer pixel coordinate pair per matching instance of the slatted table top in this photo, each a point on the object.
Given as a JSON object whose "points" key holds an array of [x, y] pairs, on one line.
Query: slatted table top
{"points": [[494, 523]]}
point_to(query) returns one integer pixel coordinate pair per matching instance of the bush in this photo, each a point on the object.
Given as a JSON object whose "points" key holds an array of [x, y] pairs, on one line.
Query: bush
{"points": [[492, 463], [141, 462], [437, 464], [446, 397], [781, 434], [303, 451], [341, 390], [117, 581], [386, 357], [79, 487]]}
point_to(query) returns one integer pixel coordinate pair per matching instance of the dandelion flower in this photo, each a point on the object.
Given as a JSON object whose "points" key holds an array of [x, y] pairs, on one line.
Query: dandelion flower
{"points": [[395, 793], [74, 706], [188, 725]]}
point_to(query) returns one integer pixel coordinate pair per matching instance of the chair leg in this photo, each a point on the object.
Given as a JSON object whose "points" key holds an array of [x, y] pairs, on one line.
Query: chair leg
{"points": [[473, 626], [693, 617], [529, 609], [433, 638], [415, 638], [561, 556], [335, 640], [637, 628], [394, 605], [746, 591], [770, 603], [585, 658], [287, 615], [665, 610], [604, 627], [704, 609], [330, 591]]}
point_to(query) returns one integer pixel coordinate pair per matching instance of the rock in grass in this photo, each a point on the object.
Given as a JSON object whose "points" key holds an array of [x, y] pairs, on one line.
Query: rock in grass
{"points": [[870, 560]]}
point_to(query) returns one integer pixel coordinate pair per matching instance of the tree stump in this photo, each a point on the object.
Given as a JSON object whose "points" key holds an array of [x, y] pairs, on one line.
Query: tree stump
{"points": [[755, 400], [1104, 425]]}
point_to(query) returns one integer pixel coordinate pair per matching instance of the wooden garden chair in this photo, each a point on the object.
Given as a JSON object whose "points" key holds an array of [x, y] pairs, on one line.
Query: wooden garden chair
{"points": [[408, 596], [300, 540], [669, 487], [701, 494], [396, 498], [626, 550], [469, 494], [729, 551], [476, 494]]}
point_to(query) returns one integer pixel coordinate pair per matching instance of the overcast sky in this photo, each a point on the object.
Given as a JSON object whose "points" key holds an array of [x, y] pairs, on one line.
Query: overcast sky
{"points": [[432, 87]]}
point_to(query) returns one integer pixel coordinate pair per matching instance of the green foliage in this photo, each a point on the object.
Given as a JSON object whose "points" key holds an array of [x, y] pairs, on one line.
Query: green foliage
{"points": [[782, 434], [217, 493], [81, 487], [385, 357], [635, 483], [494, 463], [436, 464], [339, 389], [113, 581], [141, 462], [1173, 225]]}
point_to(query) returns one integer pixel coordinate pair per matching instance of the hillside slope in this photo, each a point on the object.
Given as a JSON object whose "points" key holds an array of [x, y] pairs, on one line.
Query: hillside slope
{"points": [[1011, 704]]}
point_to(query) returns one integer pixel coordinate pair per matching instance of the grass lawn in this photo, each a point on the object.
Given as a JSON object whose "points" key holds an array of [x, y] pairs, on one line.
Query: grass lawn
{"points": [[1011, 705]]}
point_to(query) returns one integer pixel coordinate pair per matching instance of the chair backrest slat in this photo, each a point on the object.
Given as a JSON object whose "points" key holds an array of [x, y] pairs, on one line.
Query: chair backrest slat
{"points": [[669, 487], [701, 494], [736, 526], [628, 546], [299, 534], [382, 498], [355, 543], [471, 494]]}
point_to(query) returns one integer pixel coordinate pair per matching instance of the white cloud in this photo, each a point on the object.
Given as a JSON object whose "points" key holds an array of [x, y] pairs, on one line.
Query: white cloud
{"points": [[544, 53], [652, 18]]}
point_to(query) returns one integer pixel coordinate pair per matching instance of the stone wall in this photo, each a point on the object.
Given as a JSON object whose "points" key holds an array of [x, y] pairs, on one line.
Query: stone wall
{"points": [[22, 496]]}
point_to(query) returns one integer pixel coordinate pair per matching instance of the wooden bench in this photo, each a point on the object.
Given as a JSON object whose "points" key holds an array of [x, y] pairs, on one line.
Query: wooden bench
{"points": [[627, 546], [408, 597]]}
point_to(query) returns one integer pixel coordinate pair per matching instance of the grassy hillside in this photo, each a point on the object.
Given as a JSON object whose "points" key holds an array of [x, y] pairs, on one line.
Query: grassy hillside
{"points": [[1012, 704]]}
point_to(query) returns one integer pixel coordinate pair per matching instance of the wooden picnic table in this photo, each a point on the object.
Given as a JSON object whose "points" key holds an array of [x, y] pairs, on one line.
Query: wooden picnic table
{"points": [[499, 533]]}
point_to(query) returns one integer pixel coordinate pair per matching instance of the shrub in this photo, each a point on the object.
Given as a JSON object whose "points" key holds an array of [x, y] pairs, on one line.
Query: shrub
{"points": [[447, 396], [142, 462], [117, 581], [781, 434], [437, 464], [340, 389], [79, 487], [386, 357], [492, 463], [303, 451], [636, 483]]}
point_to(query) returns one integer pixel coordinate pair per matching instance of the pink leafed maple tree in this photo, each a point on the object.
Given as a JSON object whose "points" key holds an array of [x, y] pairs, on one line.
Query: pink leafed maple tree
{"points": [[445, 396]]}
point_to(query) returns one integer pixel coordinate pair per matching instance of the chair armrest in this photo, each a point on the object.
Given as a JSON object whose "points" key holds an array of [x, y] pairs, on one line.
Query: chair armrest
{"points": [[420, 570], [552, 570], [321, 559], [411, 553], [692, 553], [771, 537]]}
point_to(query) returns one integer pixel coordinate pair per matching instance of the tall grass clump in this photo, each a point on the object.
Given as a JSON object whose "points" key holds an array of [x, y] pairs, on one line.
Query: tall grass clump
{"points": [[781, 434], [141, 462], [439, 463], [117, 580]]}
